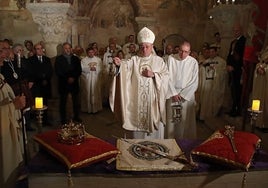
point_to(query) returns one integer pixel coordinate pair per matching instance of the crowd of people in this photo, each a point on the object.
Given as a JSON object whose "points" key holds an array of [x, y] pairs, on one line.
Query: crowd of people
{"points": [[139, 84], [22, 78], [222, 76]]}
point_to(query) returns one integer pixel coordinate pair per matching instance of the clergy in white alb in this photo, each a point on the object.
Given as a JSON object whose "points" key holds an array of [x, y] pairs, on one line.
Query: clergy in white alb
{"points": [[126, 47], [91, 82], [183, 71], [214, 81], [143, 83], [260, 90], [132, 51]]}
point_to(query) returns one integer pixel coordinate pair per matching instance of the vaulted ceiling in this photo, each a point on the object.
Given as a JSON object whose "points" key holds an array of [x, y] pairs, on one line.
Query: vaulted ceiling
{"points": [[86, 7]]}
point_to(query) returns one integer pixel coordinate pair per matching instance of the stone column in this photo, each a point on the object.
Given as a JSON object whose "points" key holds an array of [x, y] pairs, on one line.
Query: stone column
{"points": [[54, 21], [81, 41], [74, 35], [81, 26]]}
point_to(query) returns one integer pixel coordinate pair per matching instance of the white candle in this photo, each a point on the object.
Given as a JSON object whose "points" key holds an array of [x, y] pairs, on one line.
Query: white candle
{"points": [[255, 105], [38, 102]]}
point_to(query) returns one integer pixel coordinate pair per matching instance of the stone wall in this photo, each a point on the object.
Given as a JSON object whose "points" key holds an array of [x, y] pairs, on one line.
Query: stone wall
{"points": [[121, 18], [98, 20], [16, 24]]}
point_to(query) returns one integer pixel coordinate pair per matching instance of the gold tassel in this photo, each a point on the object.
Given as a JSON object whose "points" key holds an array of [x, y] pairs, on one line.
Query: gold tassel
{"points": [[109, 161], [70, 180], [244, 180]]}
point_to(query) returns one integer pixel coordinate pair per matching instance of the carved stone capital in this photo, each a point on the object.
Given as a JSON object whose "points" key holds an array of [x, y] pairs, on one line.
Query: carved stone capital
{"points": [[54, 20]]}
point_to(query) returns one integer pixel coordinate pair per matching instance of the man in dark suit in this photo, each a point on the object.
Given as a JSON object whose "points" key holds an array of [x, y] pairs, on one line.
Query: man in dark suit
{"points": [[68, 69], [40, 76], [234, 67], [15, 71]]}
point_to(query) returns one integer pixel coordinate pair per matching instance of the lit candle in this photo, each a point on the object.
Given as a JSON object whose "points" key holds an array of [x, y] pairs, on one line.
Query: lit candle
{"points": [[38, 102], [255, 105]]}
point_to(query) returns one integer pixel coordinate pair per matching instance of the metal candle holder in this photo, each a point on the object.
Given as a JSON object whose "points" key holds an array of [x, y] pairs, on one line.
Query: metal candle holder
{"points": [[39, 116], [253, 118]]}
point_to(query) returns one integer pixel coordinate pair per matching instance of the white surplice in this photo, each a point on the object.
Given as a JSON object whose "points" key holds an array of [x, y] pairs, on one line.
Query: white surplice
{"points": [[11, 144], [214, 81], [260, 92], [91, 82], [184, 77], [142, 99]]}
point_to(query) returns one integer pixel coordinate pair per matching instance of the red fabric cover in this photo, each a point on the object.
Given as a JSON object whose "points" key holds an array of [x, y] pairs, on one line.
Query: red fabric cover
{"points": [[250, 54], [218, 147], [74, 156]]}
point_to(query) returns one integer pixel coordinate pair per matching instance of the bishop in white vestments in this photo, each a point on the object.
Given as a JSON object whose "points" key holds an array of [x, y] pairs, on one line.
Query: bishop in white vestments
{"points": [[143, 83]]}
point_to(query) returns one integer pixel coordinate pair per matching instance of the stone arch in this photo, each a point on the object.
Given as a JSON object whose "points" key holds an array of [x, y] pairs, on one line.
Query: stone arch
{"points": [[173, 39], [109, 18]]}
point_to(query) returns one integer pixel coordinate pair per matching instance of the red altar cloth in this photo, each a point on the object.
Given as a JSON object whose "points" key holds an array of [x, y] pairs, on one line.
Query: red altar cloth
{"points": [[79, 155]]}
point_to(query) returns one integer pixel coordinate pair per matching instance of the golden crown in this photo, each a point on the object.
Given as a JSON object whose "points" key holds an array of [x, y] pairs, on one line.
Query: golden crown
{"points": [[72, 133]]}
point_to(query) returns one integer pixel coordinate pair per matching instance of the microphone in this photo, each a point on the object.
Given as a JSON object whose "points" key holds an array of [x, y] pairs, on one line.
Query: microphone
{"points": [[19, 61]]}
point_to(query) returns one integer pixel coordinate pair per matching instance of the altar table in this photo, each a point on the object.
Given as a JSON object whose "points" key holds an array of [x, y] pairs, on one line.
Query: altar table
{"points": [[46, 171]]}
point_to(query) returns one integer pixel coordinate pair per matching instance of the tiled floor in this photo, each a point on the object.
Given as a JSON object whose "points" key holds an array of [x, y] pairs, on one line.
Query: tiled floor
{"points": [[104, 125]]}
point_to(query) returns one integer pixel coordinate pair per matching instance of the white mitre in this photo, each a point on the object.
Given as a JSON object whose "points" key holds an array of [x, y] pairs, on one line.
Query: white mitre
{"points": [[145, 36]]}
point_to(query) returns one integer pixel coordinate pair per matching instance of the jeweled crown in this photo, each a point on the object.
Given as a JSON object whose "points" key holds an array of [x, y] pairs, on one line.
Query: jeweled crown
{"points": [[72, 133]]}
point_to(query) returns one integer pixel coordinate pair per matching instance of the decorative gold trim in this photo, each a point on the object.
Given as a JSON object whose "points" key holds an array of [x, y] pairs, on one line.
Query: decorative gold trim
{"points": [[65, 159], [227, 161], [93, 158]]}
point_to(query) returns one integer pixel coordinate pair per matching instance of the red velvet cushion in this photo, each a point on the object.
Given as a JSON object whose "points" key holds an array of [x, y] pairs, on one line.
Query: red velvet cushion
{"points": [[218, 147], [90, 151]]}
